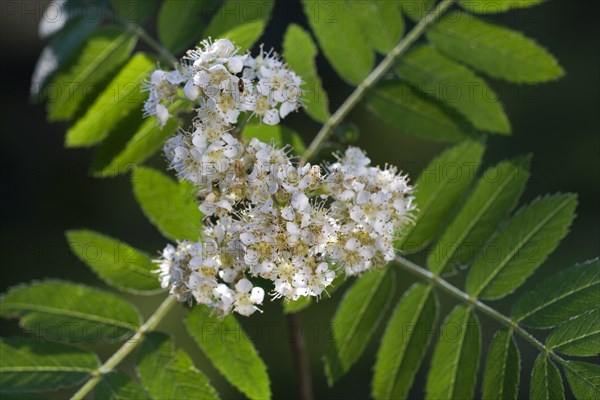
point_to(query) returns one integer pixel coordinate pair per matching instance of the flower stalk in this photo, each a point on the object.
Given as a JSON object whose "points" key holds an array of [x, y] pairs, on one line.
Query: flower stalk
{"points": [[453, 291]]}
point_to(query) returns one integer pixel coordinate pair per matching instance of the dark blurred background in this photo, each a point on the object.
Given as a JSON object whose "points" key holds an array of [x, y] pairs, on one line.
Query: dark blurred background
{"points": [[47, 189]]}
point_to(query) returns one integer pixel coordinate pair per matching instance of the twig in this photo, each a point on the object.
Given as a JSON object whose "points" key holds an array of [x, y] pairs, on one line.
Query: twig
{"points": [[375, 75], [473, 302], [127, 348], [301, 361]]}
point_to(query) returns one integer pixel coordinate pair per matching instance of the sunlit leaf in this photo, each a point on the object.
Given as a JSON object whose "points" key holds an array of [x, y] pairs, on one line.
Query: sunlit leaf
{"points": [[82, 80], [557, 299], [115, 262], [495, 195], [454, 85], [405, 343], [416, 9], [227, 346], [121, 97], [169, 205], [65, 311], [340, 38], [118, 386], [577, 337], [356, 318], [496, 6], [513, 254], [380, 22], [438, 189], [168, 373], [30, 366], [455, 361], [495, 50], [299, 53], [180, 22], [241, 22], [130, 151]]}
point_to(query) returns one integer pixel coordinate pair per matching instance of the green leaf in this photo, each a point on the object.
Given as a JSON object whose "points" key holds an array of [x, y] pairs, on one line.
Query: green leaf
{"points": [[438, 189], [340, 37], [101, 56], [133, 11], [455, 361], [169, 373], [546, 382], [121, 97], [69, 312], [180, 22], [118, 386], [241, 22], [405, 343], [278, 134], [21, 396], [514, 253], [28, 366], [57, 54], [128, 153], [413, 113], [560, 297], [169, 205], [502, 366], [380, 22], [454, 85], [584, 379], [495, 195], [115, 262], [227, 346], [495, 50], [300, 52], [356, 319], [416, 9], [577, 337], [496, 6]]}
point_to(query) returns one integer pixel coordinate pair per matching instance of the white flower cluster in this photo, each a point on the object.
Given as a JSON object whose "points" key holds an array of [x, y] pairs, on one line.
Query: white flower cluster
{"points": [[223, 84], [291, 227]]}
